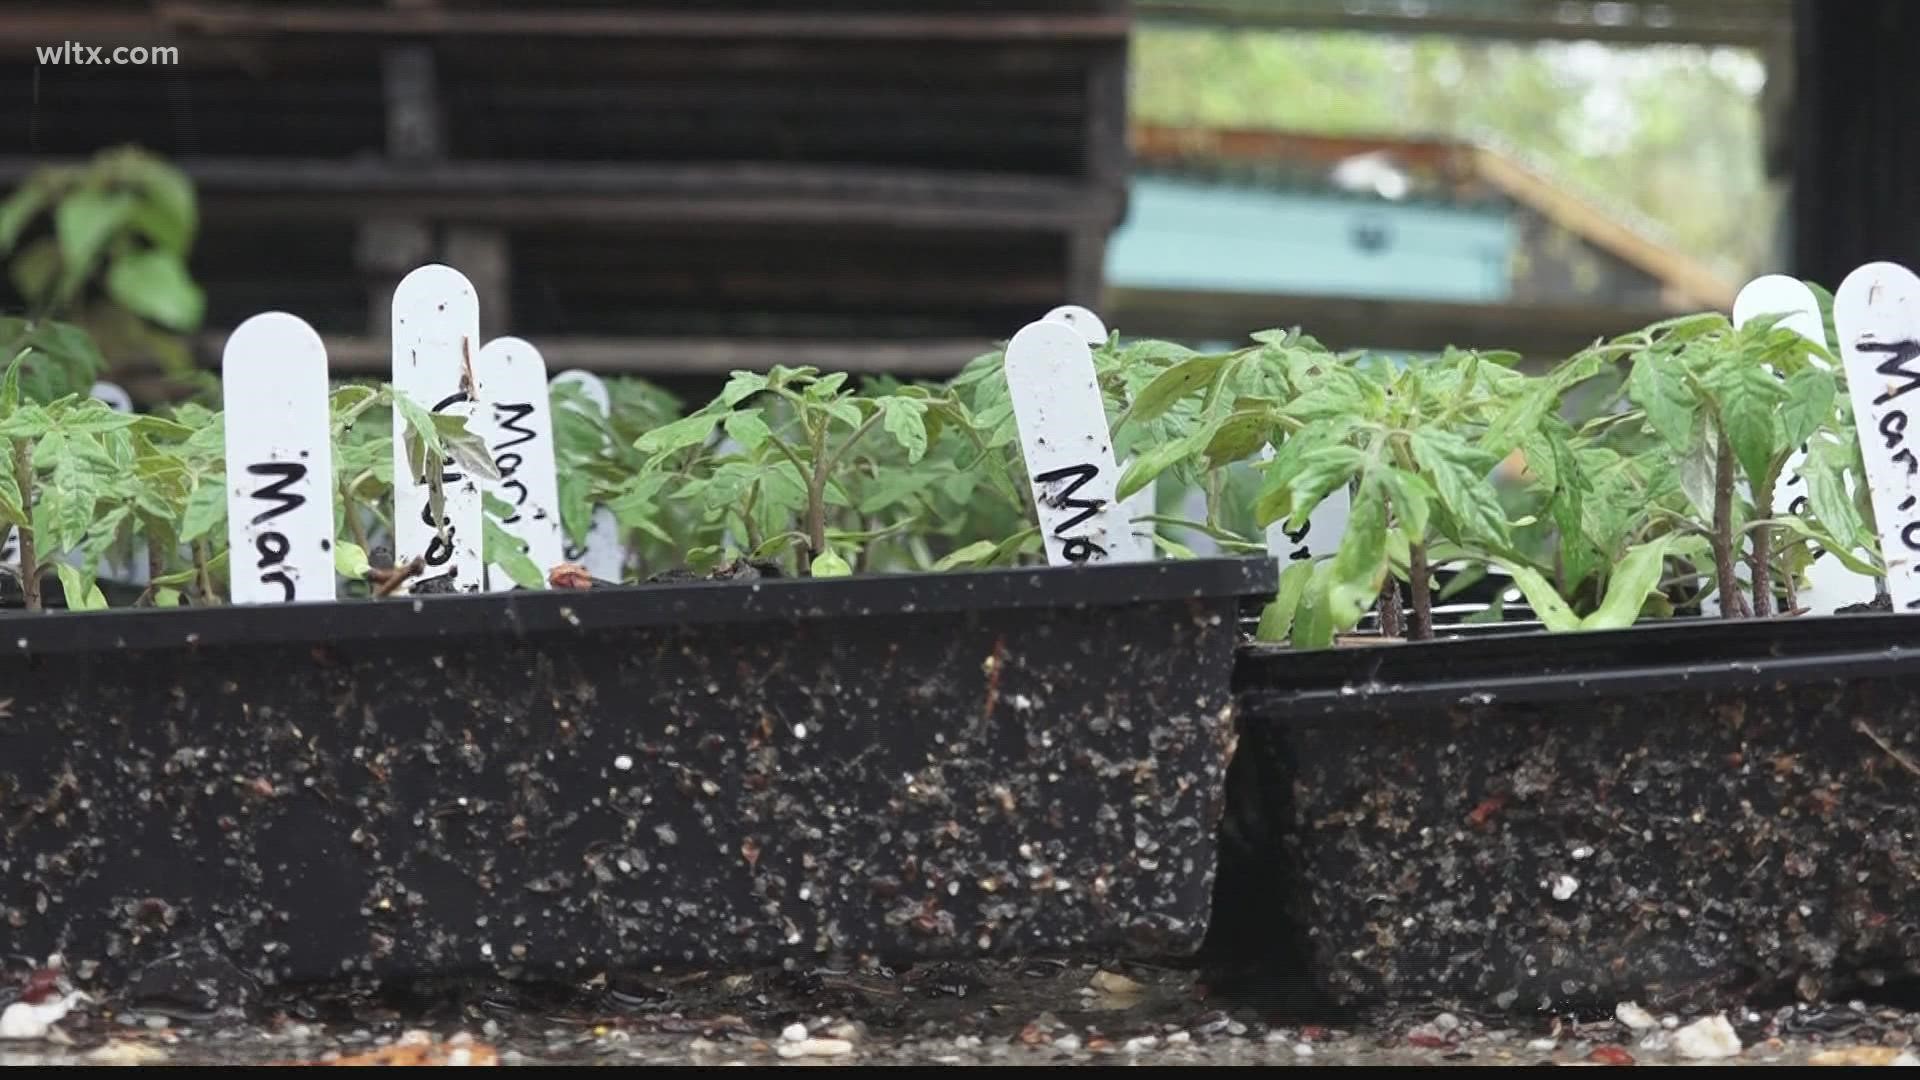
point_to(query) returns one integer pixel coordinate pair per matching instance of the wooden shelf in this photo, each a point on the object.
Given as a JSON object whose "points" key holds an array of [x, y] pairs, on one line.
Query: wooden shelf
{"points": [[688, 356], [1535, 331]]}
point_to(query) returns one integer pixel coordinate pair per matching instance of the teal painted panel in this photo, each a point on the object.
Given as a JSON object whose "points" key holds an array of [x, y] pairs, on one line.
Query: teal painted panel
{"points": [[1182, 234]]}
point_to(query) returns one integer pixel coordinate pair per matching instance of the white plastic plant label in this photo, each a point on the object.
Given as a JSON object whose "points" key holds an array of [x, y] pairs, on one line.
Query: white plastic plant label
{"points": [[1319, 535], [1069, 455], [1145, 502], [279, 462], [1092, 330], [1877, 315], [1830, 584], [603, 555], [518, 427], [436, 328]]}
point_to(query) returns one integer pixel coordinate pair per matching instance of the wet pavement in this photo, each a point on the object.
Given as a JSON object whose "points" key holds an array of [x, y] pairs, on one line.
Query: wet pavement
{"points": [[1034, 1013]]}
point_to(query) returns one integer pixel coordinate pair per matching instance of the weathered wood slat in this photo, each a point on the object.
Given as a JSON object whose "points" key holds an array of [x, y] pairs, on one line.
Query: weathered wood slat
{"points": [[1536, 331], [186, 19], [698, 356]]}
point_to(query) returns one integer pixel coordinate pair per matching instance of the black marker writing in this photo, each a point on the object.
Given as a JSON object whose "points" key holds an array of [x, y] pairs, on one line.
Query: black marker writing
{"points": [[272, 546], [1079, 548], [508, 418], [283, 500], [1899, 354]]}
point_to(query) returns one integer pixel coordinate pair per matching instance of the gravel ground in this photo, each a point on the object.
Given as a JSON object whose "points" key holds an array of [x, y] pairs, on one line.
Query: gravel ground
{"points": [[1038, 1013]]}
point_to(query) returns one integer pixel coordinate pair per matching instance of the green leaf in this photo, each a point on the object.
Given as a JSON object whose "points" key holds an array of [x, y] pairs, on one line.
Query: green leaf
{"points": [[1239, 436], [27, 422], [1142, 470], [1809, 405], [167, 597], [159, 427], [1360, 566], [891, 488], [1336, 397], [747, 428], [679, 435], [1658, 386], [1832, 506], [10, 385], [1412, 500], [906, 420], [11, 512], [505, 552], [155, 284], [576, 506], [96, 417], [35, 271], [495, 506], [84, 222], [974, 554], [350, 561], [168, 215], [78, 585], [1299, 482], [1276, 619], [19, 211], [743, 385], [423, 442], [1833, 546], [1169, 387], [1543, 598], [206, 510], [1459, 472], [1637, 577], [467, 449], [1521, 419], [828, 564], [1748, 400], [1313, 624]]}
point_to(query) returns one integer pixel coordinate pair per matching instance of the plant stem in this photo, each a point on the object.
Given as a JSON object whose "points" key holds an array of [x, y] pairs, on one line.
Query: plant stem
{"points": [[29, 558], [1730, 599], [1390, 626], [1421, 586], [202, 564], [354, 524], [1761, 562], [823, 464]]}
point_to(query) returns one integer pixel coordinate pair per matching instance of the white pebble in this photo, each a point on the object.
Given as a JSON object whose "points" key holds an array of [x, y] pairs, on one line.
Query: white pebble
{"points": [[1635, 1017], [1143, 1043], [1564, 887], [1179, 1038], [816, 1048], [24, 1021], [1543, 1044], [1708, 1039], [623, 763], [1302, 1050], [794, 1032]]}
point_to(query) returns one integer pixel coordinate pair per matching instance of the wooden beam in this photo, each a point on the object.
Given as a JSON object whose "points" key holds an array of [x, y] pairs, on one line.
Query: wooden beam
{"points": [[1538, 331], [541, 193], [684, 356], [208, 17], [1751, 23]]}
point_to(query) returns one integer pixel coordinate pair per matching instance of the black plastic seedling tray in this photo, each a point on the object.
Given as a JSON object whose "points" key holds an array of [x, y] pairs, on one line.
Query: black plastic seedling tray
{"points": [[552, 784], [1690, 814]]}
